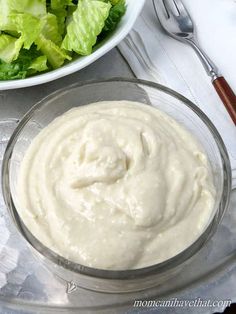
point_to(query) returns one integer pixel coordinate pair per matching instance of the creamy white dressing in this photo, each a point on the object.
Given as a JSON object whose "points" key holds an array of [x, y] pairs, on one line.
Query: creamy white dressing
{"points": [[116, 185]]}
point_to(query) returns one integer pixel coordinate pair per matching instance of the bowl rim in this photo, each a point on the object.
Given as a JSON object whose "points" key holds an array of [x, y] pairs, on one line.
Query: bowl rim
{"points": [[164, 266], [82, 61]]}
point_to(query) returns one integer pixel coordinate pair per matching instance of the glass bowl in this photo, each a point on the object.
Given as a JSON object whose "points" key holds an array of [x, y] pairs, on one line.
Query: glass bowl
{"points": [[167, 100]]}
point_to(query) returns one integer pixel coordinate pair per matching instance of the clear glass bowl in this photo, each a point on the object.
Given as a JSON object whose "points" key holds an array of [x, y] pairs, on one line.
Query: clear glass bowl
{"points": [[175, 105]]}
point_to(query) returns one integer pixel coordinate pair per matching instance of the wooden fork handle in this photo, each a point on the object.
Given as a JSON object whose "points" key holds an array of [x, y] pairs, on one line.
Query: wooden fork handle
{"points": [[227, 96]]}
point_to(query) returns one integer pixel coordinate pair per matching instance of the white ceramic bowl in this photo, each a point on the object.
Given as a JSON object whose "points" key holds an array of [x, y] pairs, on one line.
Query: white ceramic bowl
{"points": [[134, 8]]}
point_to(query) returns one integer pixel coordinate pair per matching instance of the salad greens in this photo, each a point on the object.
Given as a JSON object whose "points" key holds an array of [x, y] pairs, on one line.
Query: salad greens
{"points": [[86, 24], [115, 15], [40, 35]]}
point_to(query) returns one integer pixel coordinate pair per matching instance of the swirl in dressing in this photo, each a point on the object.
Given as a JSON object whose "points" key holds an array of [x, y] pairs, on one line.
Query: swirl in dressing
{"points": [[116, 185]]}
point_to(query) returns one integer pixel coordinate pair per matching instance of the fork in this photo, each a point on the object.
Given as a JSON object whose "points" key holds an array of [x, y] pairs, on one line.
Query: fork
{"points": [[177, 22]]}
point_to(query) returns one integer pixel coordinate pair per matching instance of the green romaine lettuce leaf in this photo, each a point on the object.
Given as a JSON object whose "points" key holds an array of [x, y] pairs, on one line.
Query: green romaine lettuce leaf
{"points": [[50, 28], [54, 54], [61, 15], [9, 47], [58, 4], [19, 68], [61, 9], [87, 23], [11, 71], [25, 24], [34, 7], [114, 2], [115, 15], [39, 64]]}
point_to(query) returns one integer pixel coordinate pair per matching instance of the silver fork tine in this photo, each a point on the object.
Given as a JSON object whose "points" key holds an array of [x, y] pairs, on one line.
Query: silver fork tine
{"points": [[171, 7], [162, 12], [181, 8]]}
